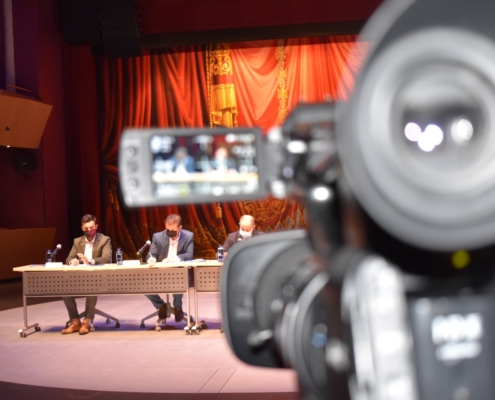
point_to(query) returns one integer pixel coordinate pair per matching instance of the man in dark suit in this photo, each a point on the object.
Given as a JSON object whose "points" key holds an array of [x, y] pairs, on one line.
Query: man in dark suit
{"points": [[222, 162], [174, 244], [182, 161], [90, 249], [246, 230]]}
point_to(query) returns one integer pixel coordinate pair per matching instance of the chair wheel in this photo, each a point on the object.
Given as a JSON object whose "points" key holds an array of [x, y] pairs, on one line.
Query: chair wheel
{"points": [[188, 332], [23, 334], [117, 325], [37, 328], [158, 329], [142, 326], [91, 328]]}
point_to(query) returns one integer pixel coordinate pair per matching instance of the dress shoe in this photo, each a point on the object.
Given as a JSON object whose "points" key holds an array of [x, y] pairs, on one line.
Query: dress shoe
{"points": [[178, 314], [162, 311], [73, 327], [85, 326]]}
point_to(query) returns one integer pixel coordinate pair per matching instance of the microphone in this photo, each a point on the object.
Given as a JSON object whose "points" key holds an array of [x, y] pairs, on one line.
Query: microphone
{"points": [[54, 252], [144, 246]]}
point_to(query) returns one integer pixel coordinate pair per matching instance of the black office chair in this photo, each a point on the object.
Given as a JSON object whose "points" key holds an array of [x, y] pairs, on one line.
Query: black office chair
{"points": [[170, 311]]}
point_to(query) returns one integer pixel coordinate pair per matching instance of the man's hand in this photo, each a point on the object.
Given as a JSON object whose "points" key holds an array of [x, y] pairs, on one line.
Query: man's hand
{"points": [[151, 261], [83, 258], [74, 262]]}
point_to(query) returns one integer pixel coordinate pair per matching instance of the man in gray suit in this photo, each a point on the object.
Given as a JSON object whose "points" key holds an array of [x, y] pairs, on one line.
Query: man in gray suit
{"points": [[90, 249], [174, 244]]}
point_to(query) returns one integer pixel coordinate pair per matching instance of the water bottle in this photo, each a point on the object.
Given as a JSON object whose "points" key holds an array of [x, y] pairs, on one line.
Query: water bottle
{"points": [[220, 253], [118, 256], [49, 258]]}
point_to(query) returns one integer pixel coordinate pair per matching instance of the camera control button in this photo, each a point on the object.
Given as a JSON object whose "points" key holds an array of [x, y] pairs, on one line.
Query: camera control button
{"points": [[130, 151], [132, 166]]}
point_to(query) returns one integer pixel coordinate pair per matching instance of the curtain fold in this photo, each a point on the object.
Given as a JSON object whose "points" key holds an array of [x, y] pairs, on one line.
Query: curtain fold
{"points": [[168, 88], [317, 68], [255, 79]]}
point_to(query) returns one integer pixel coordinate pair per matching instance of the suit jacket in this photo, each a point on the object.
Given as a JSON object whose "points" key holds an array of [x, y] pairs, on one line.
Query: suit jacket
{"points": [[189, 163], [102, 249], [160, 244], [235, 237], [220, 165]]}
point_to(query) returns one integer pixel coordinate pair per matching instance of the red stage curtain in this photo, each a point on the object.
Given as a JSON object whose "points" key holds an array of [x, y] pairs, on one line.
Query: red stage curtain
{"points": [[169, 89], [317, 68], [255, 79]]}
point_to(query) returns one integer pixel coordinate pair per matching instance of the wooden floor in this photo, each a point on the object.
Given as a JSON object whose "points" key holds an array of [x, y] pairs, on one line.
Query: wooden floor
{"points": [[127, 362]]}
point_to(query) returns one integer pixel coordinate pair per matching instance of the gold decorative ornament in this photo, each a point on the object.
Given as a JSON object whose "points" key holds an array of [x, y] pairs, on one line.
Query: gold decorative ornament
{"points": [[220, 61]]}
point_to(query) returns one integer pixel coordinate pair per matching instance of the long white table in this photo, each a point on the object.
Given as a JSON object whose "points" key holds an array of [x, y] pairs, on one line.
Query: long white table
{"points": [[112, 279]]}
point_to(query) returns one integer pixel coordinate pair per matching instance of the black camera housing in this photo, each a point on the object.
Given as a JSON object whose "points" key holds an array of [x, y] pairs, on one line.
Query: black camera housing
{"points": [[397, 301]]}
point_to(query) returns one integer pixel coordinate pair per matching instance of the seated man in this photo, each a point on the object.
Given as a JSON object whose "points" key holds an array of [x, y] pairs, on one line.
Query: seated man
{"points": [[222, 162], [182, 161], [246, 230], [171, 245], [90, 249]]}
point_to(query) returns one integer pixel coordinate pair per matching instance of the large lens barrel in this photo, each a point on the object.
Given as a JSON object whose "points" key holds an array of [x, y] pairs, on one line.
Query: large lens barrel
{"points": [[418, 137]]}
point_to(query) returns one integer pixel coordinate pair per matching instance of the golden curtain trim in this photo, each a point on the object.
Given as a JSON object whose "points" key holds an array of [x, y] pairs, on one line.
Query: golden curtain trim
{"points": [[208, 84], [222, 100], [223, 96], [113, 198], [282, 92]]}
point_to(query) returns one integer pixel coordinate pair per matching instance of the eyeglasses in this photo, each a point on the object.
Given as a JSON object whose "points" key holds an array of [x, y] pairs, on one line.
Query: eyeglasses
{"points": [[88, 230]]}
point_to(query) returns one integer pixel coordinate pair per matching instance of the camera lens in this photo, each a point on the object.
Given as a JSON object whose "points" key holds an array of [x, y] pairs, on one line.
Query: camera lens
{"points": [[417, 141], [256, 279], [308, 332]]}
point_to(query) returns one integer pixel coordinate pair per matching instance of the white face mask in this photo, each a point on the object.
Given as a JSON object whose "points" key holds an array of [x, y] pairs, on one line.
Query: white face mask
{"points": [[245, 234]]}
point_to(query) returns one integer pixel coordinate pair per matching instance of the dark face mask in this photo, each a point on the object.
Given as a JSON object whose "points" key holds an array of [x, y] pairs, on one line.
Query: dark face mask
{"points": [[89, 233], [171, 234]]}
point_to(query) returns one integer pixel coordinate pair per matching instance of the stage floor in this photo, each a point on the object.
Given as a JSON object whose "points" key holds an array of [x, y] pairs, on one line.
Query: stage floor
{"points": [[130, 359]]}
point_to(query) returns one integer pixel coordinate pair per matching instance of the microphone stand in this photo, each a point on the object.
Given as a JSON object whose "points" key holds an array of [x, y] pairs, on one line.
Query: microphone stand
{"points": [[141, 251], [141, 257]]}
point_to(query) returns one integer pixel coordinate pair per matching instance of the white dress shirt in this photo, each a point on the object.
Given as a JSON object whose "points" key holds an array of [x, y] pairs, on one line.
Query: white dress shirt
{"points": [[172, 249], [88, 250]]}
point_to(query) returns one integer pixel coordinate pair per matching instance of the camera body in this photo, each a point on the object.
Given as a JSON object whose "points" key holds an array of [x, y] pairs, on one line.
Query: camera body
{"points": [[176, 166], [390, 293]]}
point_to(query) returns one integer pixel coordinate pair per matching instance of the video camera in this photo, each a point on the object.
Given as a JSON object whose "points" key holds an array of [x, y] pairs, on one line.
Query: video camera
{"points": [[390, 293]]}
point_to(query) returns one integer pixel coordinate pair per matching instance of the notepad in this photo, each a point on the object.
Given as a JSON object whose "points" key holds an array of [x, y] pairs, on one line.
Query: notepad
{"points": [[53, 265], [131, 263]]}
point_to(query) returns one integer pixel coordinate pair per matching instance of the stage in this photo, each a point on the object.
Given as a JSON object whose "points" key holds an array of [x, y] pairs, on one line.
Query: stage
{"points": [[128, 362]]}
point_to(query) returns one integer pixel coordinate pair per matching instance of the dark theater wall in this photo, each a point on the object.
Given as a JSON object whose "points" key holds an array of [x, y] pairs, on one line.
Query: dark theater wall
{"points": [[38, 198], [171, 16], [188, 22]]}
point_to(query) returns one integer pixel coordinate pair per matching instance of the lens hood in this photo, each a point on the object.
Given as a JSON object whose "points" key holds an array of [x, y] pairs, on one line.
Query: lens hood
{"points": [[417, 138]]}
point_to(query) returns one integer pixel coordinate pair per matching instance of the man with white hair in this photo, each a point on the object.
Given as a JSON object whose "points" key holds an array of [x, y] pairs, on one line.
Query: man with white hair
{"points": [[246, 230]]}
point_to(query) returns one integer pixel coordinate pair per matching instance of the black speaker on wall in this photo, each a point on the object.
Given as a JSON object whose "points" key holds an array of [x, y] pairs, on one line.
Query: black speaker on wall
{"points": [[120, 28], [81, 22], [111, 24], [25, 162]]}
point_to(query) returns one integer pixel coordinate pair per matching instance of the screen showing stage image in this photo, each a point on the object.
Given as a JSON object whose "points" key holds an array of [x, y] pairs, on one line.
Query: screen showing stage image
{"points": [[204, 165]]}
